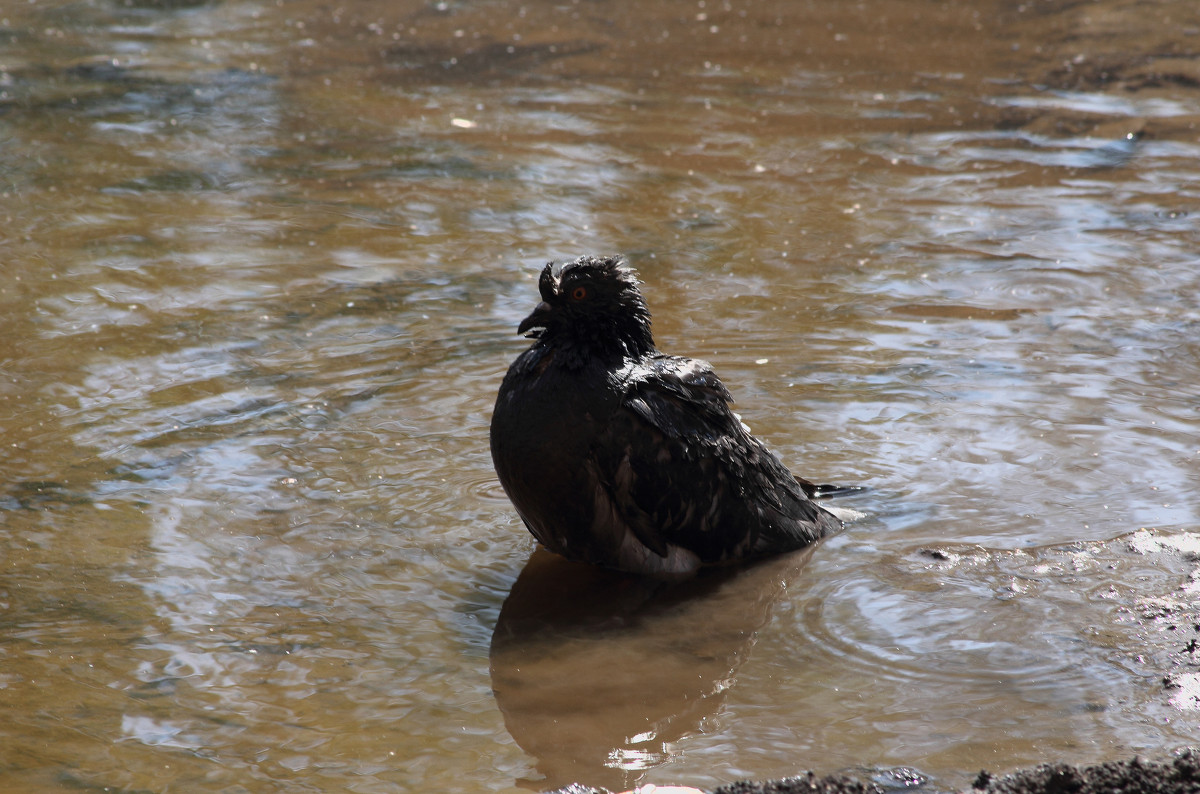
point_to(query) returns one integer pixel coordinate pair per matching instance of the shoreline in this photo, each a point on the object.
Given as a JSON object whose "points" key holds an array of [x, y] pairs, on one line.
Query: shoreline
{"points": [[1180, 774]]}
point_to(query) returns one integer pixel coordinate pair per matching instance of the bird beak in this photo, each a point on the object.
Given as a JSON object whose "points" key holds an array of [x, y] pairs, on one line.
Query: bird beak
{"points": [[533, 325]]}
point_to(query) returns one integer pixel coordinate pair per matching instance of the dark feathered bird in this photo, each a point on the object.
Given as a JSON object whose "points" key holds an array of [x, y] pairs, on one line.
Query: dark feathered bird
{"points": [[616, 454]]}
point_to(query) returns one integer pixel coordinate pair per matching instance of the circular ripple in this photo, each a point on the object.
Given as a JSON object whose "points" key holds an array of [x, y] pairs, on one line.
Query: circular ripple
{"points": [[941, 627]]}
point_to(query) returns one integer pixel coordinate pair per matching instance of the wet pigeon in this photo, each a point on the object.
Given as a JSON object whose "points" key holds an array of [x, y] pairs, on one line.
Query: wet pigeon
{"points": [[618, 455]]}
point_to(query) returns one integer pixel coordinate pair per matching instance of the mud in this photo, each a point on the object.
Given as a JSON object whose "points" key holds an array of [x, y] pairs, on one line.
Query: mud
{"points": [[1180, 775]]}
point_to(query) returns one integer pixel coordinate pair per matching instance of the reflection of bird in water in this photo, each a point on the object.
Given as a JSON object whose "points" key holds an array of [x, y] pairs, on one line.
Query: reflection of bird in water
{"points": [[599, 674], [616, 454]]}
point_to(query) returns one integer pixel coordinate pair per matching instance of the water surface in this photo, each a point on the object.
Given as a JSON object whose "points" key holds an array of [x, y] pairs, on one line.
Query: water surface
{"points": [[262, 268]]}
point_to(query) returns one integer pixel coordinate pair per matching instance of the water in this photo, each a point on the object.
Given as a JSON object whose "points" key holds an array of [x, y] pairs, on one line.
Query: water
{"points": [[262, 267]]}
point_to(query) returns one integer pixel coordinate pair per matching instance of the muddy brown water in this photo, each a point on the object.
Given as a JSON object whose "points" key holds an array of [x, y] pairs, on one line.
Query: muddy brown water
{"points": [[260, 270]]}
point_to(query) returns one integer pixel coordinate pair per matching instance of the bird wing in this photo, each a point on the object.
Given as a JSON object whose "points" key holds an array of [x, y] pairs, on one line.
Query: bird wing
{"points": [[681, 469]]}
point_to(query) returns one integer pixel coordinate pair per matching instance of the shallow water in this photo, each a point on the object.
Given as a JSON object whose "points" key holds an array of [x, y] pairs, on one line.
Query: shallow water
{"points": [[262, 267]]}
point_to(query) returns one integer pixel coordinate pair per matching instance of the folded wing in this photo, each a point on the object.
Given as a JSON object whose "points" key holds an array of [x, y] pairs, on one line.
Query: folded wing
{"points": [[680, 469]]}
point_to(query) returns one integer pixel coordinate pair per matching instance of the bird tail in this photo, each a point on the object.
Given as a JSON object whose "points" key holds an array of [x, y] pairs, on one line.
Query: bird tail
{"points": [[814, 491]]}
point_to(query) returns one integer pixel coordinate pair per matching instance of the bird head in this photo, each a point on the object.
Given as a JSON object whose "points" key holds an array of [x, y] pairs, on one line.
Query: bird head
{"points": [[591, 304]]}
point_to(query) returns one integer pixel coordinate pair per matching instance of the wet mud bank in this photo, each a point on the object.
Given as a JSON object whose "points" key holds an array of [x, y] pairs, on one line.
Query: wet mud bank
{"points": [[1180, 775]]}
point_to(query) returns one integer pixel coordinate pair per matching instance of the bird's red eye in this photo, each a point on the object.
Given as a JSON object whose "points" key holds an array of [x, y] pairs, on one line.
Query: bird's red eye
{"points": [[579, 293]]}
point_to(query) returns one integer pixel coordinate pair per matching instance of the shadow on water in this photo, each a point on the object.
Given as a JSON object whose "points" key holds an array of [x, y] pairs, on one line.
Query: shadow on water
{"points": [[600, 674]]}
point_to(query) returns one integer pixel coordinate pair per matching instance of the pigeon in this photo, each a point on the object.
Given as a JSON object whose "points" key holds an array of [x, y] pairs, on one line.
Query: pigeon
{"points": [[621, 456]]}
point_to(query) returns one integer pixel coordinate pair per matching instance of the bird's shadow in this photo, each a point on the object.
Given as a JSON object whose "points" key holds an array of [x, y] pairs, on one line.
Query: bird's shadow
{"points": [[600, 674]]}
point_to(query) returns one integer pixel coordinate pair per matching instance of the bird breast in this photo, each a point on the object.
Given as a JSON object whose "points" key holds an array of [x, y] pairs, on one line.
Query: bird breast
{"points": [[544, 426]]}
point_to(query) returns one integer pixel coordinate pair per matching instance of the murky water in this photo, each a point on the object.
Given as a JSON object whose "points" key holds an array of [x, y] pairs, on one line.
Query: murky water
{"points": [[262, 265]]}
